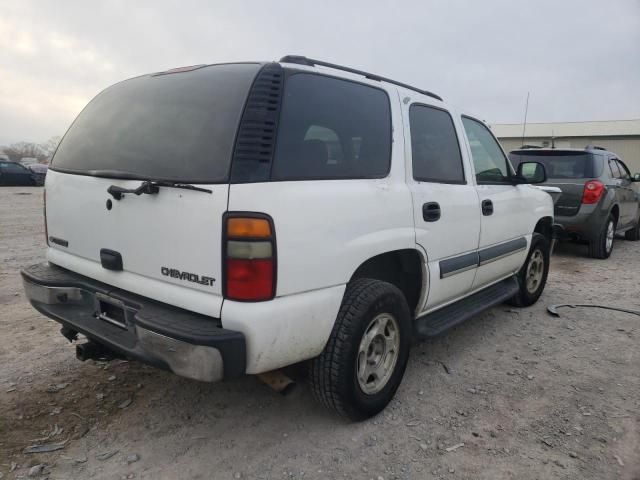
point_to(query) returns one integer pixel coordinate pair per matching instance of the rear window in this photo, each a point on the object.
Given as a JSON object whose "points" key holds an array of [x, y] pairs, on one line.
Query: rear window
{"points": [[560, 164], [175, 127], [332, 129]]}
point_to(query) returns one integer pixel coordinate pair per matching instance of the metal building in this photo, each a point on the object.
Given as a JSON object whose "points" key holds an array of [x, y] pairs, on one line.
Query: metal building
{"points": [[619, 136]]}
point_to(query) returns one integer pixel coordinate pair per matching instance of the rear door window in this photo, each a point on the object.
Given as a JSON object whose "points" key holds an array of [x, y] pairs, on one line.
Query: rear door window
{"points": [[615, 171], [435, 150], [169, 126], [332, 129], [624, 171]]}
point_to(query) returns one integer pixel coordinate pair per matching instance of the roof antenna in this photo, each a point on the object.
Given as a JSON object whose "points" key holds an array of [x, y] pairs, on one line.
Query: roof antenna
{"points": [[524, 125], [553, 140]]}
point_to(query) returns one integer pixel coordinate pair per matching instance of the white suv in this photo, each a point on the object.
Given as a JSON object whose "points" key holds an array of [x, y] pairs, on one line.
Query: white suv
{"points": [[222, 220]]}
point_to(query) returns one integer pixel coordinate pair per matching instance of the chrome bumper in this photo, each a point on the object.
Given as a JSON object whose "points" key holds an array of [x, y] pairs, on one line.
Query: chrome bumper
{"points": [[200, 355]]}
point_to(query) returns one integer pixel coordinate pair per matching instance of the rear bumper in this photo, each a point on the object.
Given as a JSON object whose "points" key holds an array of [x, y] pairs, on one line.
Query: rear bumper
{"points": [[189, 344], [583, 225]]}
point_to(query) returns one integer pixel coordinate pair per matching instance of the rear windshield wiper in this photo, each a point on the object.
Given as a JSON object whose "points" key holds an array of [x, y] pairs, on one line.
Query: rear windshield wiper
{"points": [[150, 187]]}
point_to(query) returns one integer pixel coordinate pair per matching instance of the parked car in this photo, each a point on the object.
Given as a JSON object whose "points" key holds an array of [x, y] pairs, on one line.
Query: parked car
{"points": [[14, 174], [39, 171], [599, 195], [275, 213]]}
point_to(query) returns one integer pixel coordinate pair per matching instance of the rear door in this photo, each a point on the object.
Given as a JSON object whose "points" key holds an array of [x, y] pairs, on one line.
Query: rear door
{"points": [[505, 225], [173, 127], [629, 204], [446, 210]]}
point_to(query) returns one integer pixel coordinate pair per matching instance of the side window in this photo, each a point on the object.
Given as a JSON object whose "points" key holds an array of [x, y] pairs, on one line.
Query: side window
{"points": [[435, 150], [624, 171], [331, 129], [613, 166], [11, 167], [490, 164]]}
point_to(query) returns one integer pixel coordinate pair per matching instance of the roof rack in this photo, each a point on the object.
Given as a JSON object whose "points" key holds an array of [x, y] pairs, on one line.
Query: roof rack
{"points": [[594, 147], [301, 60]]}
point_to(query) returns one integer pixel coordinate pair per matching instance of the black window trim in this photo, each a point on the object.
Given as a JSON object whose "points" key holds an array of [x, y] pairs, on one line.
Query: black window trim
{"points": [[624, 170], [510, 170], [455, 131], [289, 72]]}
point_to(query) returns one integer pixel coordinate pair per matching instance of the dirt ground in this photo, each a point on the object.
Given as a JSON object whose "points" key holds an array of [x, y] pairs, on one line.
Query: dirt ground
{"points": [[521, 394]]}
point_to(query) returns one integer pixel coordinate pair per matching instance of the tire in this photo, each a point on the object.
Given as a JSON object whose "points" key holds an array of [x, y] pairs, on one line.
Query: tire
{"points": [[634, 233], [602, 246], [336, 382], [532, 277]]}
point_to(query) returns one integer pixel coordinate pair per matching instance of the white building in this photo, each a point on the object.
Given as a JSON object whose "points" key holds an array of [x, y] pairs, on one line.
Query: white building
{"points": [[619, 136]]}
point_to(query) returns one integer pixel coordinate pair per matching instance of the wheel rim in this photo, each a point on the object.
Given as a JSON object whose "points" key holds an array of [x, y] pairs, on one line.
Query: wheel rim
{"points": [[535, 271], [378, 353], [610, 235]]}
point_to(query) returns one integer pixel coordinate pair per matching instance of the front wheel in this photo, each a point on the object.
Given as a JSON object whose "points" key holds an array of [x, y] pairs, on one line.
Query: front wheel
{"points": [[364, 360], [532, 277], [634, 233]]}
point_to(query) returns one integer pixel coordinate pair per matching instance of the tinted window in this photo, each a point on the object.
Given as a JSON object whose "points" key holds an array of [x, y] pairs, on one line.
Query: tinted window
{"points": [[615, 171], [10, 167], [489, 161], [332, 128], [558, 163], [177, 126], [435, 150], [624, 171]]}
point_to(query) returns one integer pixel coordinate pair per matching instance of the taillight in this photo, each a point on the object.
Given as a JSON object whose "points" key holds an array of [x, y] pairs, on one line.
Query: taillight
{"points": [[592, 191], [44, 211], [249, 256]]}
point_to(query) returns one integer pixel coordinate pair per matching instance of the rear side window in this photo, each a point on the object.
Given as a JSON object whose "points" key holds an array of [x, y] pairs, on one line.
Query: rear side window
{"points": [[175, 127], [332, 129], [559, 164], [435, 150]]}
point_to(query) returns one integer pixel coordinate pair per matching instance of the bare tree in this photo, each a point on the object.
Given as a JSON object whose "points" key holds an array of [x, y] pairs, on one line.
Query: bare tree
{"points": [[17, 151], [43, 151], [49, 147]]}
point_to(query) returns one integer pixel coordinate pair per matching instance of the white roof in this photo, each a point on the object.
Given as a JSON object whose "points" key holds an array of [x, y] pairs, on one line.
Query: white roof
{"points": [[607, 128]]}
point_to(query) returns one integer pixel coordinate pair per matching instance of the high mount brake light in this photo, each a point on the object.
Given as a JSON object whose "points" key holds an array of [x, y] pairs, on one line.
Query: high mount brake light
{"points": [[249, 258], [592, 192]]}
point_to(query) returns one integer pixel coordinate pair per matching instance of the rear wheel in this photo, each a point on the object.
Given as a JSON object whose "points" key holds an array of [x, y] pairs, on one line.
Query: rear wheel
{"points": [[634, 233], [364, 360], [602, 246], [532, 277]]}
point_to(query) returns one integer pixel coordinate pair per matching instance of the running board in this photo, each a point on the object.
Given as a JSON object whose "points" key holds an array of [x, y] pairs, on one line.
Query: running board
{"points": [[435, 323]]}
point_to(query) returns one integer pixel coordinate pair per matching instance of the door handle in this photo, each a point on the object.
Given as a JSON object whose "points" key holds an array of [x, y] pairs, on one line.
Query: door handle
{"points": [[431, 212], [487, 207]]}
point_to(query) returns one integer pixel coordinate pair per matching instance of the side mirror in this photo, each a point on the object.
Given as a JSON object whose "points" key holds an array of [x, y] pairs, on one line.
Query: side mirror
{"points": [[636, 177], [531, 172]]}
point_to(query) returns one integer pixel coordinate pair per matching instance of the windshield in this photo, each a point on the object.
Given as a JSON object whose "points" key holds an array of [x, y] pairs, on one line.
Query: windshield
{"points": [[559, 164], [174, 127]]}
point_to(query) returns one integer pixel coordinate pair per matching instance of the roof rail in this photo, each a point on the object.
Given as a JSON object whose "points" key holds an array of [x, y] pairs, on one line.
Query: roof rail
{"points": [[524, 147], [594, 147], [301, 60]]}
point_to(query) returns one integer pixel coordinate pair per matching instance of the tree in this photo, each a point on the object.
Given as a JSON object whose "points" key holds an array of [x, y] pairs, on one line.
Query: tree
{"points": [[43, 151], [20, 150], [49, 147]]}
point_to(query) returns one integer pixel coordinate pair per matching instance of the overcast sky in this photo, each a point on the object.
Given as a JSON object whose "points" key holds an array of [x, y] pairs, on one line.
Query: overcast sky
{"points": [[580, 59]]}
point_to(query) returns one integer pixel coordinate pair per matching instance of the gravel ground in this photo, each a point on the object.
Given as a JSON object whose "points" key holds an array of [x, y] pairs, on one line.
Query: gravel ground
{"points": [[511, 394]]}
